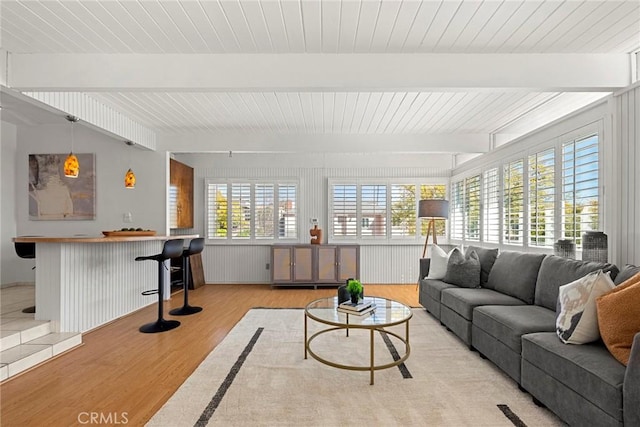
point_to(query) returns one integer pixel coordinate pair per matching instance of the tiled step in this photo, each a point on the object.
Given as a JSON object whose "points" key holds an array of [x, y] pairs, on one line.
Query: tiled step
{"points": [[14, 332], [28, 354]]}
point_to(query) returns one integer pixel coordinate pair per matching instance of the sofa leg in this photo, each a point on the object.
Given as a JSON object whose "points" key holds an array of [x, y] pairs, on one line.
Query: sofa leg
{"points": [[538, 403], [522, 389], [482, 356]]}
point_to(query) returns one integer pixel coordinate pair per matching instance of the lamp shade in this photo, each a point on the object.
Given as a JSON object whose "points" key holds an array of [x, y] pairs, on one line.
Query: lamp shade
{"points": [[71, 166], [433, 208], [130, 179]]}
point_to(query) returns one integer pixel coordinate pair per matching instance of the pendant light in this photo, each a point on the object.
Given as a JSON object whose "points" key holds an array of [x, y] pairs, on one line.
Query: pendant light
{"points": [[130, 177], [71, 164]]}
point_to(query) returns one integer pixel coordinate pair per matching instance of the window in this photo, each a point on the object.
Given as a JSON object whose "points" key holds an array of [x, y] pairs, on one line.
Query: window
{"points": [[491, 206], [472, 208], [465, 209], [345, 211], [254, 210], [513, 202], [403, 210], [433, 191], [542, 198], [580, 188], [378, 211], [374, 211], [456, 207]]}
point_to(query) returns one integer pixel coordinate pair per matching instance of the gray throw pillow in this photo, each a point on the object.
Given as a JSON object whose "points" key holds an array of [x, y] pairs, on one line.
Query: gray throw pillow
{"points": [[487, 259], [463, 270], [627, 272]]}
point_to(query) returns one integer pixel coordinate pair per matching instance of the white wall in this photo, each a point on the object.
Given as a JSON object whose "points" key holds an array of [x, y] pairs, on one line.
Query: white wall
{"points": [[246, 263], [147, 202], [624, 166], [13, 269]]}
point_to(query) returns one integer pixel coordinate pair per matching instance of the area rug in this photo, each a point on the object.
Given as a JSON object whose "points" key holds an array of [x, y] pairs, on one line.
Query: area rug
{"points": [[258, 376]]}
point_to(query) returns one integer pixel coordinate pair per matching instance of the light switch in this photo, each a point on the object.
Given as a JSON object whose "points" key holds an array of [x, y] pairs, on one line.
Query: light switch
{"points": [[127, 217]]}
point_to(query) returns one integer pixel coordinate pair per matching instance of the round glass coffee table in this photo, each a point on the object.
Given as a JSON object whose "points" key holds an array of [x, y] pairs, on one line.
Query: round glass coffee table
{"points": [[386, 314]]}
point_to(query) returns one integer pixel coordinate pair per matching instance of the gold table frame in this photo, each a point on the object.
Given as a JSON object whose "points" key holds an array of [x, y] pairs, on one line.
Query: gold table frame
{"points": [[340, 321]]}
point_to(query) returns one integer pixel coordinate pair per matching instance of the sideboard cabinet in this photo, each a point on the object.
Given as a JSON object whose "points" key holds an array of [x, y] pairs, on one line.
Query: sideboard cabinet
{"points": [[314, 264]]}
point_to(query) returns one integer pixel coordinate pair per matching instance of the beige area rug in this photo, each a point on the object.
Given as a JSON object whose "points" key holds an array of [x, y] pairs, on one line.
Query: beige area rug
{"points": [[258, 377]]}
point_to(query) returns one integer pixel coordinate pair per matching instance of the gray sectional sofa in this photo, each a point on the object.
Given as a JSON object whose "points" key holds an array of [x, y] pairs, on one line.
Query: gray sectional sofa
{"points": [[511, 320]]}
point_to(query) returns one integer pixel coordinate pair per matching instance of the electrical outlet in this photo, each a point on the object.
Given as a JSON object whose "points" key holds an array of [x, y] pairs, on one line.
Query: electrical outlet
{"points": [[314, 221], [266, 266]]}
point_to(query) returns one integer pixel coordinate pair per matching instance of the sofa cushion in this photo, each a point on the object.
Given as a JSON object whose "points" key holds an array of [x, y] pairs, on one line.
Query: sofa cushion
{"points": [[619, 317], [487, 259], [438, 265], [588, 369], [556, 271], [627, 272], [515, 273], [577, 321], [464, 300], [463, 270], [433, 288], [508, 324]]}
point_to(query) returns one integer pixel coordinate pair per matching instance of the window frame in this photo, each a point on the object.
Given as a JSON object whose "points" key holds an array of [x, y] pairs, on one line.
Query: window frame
{"points": [[388, 239], [229, 239]]}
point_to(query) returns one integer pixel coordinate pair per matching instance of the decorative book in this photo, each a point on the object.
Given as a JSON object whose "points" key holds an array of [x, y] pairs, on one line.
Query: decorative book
{"points": [[362, 312], [348, 305]]}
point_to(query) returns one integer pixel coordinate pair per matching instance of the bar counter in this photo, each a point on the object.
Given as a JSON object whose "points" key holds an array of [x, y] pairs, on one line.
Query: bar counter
{"points": [[83, 282]]}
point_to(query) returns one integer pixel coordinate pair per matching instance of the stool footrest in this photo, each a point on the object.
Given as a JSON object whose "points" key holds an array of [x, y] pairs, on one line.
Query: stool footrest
{"points": [[150, 292]]}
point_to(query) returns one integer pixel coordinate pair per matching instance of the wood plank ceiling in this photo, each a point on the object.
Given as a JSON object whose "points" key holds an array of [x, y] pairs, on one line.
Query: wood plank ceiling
{"points": [[328, 26]]}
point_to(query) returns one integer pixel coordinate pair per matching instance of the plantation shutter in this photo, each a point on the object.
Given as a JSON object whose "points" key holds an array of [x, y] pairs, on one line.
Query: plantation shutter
{"points": [[542, 198], [217, 211], [403, 211], [287, 212], [241, 211], [491, 206], [513, 202], [456, 206], [373, 208], [344, 211], [264, 211], [472, 208]]}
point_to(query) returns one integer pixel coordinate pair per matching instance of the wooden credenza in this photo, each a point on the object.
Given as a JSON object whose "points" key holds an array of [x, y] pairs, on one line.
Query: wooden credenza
{"points": [[300, 264]]}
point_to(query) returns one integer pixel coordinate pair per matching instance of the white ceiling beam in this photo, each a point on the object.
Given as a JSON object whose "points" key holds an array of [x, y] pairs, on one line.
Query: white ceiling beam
{"points": [[260, 143], [318, 72]]}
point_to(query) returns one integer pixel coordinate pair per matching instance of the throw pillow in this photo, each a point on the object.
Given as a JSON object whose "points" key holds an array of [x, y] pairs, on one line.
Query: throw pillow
{"points": [[577, 321], [438, 266], [487, 259], [619, 318], [627, 272], [463, 270]]}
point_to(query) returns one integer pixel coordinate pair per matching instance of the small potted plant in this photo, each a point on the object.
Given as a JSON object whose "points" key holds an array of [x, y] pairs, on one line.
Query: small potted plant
{"points": [[355, 290]]}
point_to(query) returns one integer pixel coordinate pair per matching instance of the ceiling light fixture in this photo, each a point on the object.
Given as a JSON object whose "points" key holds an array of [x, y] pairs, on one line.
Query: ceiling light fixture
{"points": [[130, 177], [71, 164]]}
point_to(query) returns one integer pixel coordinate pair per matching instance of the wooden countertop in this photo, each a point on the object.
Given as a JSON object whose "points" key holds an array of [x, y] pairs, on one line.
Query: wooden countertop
{"points": [[97, 239]]}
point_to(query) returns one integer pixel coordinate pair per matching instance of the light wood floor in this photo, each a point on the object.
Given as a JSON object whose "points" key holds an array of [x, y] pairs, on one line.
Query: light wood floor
{"points": [[119, 369]]}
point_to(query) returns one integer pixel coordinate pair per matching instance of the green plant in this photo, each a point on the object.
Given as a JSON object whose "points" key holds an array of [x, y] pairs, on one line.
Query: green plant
{"points": [[354, 287]]}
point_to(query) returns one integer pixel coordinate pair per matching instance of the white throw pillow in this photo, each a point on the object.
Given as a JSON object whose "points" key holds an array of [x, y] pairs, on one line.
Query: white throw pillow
{"points": [[577, 321], [439, 261]]}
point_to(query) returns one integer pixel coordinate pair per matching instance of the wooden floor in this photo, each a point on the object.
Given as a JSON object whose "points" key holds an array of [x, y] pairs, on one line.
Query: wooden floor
{"points": [[119, 370]]}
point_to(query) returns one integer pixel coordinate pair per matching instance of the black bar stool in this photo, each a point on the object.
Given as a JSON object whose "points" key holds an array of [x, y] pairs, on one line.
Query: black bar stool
{"points": [[27, 251], [171, 249], [195, 247]]}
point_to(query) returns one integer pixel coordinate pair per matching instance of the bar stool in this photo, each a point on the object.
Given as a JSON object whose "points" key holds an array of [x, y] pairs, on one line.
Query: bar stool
{"points": [[195, 247], [171, 249], [27, 251]]}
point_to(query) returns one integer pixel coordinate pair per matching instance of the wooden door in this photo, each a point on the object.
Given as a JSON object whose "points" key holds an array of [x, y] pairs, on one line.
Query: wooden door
{"points": [[180, 195], [348, 262], [281, 263], [303, 264], [327, 264]]}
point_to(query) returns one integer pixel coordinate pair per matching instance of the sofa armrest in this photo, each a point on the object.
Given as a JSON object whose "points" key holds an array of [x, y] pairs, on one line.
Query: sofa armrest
{"points": [[631, 387], [425, 263]]}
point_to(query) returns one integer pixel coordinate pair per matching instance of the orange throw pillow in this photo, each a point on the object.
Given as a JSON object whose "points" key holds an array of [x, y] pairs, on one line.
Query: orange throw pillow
{"points": [[619, 317]]}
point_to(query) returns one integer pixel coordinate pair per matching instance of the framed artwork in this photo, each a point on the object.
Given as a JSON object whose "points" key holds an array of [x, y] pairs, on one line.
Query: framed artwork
{"points": [[52, 196]]}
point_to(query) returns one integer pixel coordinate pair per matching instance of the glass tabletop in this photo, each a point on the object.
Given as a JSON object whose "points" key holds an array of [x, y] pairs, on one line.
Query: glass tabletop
{"points": [[386, 313]]}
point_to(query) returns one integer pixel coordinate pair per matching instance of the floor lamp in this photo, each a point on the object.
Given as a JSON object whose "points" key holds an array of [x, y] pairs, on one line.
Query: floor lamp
{"points": [[432, 208]]}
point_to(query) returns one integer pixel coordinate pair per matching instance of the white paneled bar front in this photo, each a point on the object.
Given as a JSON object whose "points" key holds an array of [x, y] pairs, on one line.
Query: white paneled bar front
{"points": [[82, 283]]}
